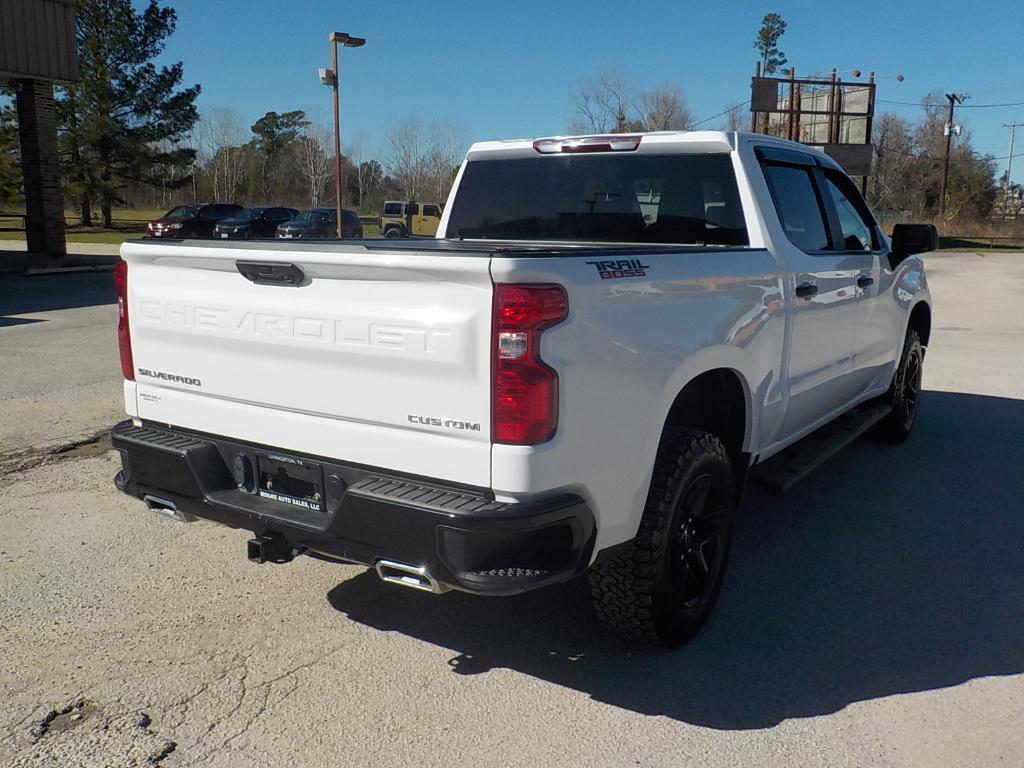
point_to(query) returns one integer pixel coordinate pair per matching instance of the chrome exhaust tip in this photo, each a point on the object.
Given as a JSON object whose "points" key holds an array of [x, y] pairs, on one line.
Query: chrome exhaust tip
{"points": [[412, 576], [166, 508]]}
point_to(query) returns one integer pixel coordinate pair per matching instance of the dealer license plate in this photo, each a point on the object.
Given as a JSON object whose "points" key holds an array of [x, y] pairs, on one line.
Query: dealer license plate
{"points": [[290, 480]]}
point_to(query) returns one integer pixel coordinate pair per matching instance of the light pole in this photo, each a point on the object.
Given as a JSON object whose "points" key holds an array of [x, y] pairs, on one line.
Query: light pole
{"points": [[329, 77]]}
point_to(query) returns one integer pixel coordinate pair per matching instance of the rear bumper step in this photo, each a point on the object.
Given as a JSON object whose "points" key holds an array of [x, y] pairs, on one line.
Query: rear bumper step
{"points": [[415, 532]]}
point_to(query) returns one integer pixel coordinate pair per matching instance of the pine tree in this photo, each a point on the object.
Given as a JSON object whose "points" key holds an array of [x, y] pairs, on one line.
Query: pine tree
{"points": [[10, 161], [124, 119], [773, 27]]}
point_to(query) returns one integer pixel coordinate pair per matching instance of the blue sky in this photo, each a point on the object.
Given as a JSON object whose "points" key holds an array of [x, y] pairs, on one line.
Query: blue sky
{"points": [[507, 69]]}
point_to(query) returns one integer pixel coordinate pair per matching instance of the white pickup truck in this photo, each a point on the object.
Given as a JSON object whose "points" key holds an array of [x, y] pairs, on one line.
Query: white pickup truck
{"points": [[578, 374]]}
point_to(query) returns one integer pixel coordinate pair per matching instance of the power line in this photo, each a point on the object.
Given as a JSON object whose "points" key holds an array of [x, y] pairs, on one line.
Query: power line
{"points": [[932, 157], [959, 106], [723, 112]]}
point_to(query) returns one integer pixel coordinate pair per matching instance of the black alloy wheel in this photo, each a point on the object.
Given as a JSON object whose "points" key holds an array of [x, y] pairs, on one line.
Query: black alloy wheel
{"points": [[698, 545], [663, 586], [904, 395]]}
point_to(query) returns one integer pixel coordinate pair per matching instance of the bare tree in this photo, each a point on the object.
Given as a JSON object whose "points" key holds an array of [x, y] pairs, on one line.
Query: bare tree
{"points": [[662, 109], [314, 161], [223, 138], [602, 104], [446, 148], [734, 118], [165, 177], [424, 158], [409, 164], [895, 187], [613, 103], [367, 171]]}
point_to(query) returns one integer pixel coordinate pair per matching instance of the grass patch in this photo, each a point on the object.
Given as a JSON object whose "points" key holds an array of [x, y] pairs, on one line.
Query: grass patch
{"points": [[980, 244], [78, 237]]}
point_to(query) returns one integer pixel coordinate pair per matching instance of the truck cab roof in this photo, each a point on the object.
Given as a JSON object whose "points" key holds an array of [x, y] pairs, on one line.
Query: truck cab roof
{"points": [[657, 142]]}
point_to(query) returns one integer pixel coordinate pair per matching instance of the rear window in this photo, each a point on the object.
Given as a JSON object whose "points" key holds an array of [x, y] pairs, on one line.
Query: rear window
{"points": [[392, 209], [691, 199], [799, 208], [182, 212]]}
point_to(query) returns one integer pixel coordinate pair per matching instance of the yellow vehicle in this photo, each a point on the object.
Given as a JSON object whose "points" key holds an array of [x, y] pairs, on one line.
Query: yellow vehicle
{"points": [[402, 218]]}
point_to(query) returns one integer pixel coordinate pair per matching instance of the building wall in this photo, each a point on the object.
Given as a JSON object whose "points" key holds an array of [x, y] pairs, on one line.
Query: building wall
{"points": [[37, 40]]}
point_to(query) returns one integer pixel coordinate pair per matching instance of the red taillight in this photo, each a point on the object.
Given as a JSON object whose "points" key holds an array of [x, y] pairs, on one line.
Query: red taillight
{"points": [[124, 335], [524, 409]]}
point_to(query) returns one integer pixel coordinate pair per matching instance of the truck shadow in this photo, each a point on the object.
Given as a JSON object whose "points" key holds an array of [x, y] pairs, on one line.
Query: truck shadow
{"points": [[890, 570], [46, 293]]}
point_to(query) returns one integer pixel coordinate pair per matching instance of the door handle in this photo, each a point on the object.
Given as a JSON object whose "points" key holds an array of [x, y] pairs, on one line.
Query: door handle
{"points": [[806, 290], [864, 281], [270, 273]]}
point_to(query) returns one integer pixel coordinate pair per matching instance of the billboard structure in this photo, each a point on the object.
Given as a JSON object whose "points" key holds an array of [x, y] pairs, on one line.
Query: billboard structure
{"points": [[831, 114]]}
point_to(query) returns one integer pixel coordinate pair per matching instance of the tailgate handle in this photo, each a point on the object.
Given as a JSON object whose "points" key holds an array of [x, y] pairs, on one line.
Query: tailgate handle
{"points": [[270, 272]]}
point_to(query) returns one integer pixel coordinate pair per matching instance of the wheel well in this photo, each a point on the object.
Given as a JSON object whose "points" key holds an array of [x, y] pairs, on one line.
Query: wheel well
{"points": [[713, 402], [921, 321]]}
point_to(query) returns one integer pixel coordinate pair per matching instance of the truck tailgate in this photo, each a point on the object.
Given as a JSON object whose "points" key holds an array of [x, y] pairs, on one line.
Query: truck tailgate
{"points": [[376, 358]]}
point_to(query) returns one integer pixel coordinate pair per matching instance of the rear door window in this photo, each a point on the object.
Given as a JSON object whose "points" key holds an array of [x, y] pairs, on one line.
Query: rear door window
{"points": [[412, 209], [856, 223], [798, 206], [431, 210]]}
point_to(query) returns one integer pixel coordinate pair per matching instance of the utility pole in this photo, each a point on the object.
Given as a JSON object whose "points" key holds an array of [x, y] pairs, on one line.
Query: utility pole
{"points": [[953, 99], [1005, 213], [1009, 157]]}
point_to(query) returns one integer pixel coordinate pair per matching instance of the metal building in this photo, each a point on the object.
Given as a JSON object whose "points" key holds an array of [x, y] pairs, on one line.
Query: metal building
{"points": [[38, 49]]}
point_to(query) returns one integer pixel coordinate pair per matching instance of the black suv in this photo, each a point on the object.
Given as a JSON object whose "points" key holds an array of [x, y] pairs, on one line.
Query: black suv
{"points": [[322, 222], [255, 221], [196, 220]]}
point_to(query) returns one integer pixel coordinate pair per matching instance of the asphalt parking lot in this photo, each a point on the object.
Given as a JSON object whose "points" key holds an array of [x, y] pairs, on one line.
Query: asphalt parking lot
{"points": [[872, 617]]}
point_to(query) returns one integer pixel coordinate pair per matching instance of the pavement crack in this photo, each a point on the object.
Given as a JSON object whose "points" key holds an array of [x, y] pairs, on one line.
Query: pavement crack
{"points": [[253, 701], [94, 444]]}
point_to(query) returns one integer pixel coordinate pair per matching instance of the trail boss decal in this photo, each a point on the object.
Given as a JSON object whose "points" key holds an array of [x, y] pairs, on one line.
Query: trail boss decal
{"points": [[619, 268], [170, 377]]}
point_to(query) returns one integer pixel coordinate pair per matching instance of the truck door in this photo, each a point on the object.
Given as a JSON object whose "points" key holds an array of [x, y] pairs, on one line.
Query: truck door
{"points": [[430, 217], [412, 218], [821, 286], [874, 342]]}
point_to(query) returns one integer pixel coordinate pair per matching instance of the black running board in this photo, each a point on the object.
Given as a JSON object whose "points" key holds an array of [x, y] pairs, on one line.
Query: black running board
{"points": [[788, 467]]}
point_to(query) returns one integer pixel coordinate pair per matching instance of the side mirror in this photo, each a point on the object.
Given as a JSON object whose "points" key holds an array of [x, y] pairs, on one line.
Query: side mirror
{"points": [[908, 239]]}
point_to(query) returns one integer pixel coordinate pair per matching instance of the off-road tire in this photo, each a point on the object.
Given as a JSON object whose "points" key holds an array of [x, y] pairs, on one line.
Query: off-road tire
{"points": [[393, 232], [638, 594], [904, 393]]}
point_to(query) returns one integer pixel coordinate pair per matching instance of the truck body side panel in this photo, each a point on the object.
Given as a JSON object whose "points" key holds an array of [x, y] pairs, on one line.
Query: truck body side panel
{"points": [[627, 349]]}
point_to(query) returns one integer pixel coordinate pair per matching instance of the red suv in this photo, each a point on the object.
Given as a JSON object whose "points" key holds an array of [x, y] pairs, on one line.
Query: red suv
{"points": [[196, 220]]}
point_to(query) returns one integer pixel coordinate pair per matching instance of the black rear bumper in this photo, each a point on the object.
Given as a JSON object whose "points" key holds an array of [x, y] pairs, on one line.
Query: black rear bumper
{"points": [[462, 538]]}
